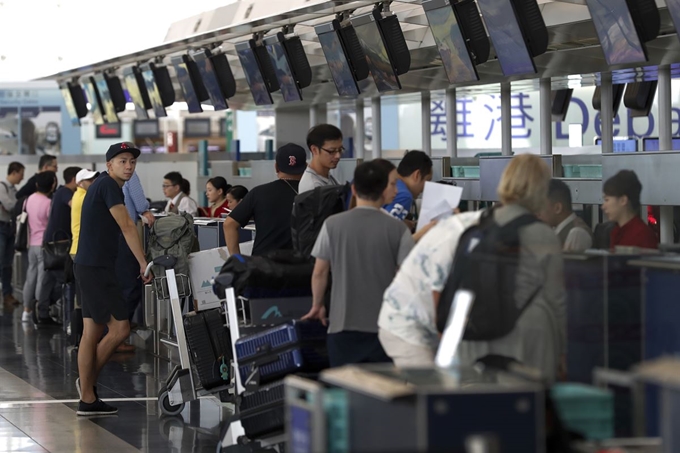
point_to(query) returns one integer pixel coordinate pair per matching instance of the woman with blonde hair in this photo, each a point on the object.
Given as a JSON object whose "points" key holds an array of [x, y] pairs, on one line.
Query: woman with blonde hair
{"points": [[407, 321], [539, 337]]}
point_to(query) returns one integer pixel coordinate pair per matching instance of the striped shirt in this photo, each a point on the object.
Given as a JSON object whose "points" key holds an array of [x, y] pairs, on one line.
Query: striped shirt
{"points": [[135, 200]]}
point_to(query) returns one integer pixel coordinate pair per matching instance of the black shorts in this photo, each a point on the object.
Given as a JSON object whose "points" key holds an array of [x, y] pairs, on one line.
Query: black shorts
{"points": [[100, 294]]}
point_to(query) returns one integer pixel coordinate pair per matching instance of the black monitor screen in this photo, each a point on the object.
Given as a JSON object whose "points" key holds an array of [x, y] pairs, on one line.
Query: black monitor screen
{"points": [[70, 106], [146, 129], [186, 85], [135, 94], [92, 98], [212, 85], [254, 77], [376, 55], [507, 38], [154, 94], [451, 45], [652, 144], [108, 108], [289, 87], [338, 64], [616, 31]]}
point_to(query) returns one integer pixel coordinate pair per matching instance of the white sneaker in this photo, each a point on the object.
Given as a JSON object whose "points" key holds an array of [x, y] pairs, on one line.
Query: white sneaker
{"points": [[27, 316]]}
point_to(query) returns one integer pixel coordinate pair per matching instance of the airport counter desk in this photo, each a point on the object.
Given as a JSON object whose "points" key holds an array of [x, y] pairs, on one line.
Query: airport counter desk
{"points": [[660, 318]]}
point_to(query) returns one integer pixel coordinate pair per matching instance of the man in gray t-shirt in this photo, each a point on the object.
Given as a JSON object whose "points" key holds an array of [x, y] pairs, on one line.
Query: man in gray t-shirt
{"points": [[325, 143], [363, 248]]}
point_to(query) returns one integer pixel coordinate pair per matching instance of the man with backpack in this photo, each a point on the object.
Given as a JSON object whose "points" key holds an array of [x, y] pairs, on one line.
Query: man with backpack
{"points": [[325, 143], [8, 199], [363, 248], [270, 206], [103, 219]]}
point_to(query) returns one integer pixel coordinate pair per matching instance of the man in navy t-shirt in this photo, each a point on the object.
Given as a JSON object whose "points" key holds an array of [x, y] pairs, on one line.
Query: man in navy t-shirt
{"points": [[103, 219], [414, 170]]}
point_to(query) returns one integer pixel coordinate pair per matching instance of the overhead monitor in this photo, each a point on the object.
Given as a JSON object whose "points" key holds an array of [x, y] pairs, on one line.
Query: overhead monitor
{"points": [[136, 88], [189, 82], [377, 56], [506, 35], [337, 58], [450, 41], [75, 102], [107, 107], [282, 67], [253, 73], [653, 144], [616, 31], [674, 10], [153, 90], [210, 80], [146, 129], [93, 98], [197, 127]]}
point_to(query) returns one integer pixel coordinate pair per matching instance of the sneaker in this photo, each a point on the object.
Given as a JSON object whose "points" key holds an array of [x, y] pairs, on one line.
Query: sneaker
{"points": [[80, 394], [27, 316], [99, 407]]}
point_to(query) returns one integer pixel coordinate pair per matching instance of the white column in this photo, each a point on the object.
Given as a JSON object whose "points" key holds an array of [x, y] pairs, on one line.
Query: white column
{"points": [[546, 117], [451, 123], [665, 144], [607, 113], [377, 128], [506, 120], [313, 115], [359, 130], [426, 122]]}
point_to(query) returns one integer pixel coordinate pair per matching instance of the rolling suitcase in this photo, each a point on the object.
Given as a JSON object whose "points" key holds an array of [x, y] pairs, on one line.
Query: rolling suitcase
{"points": [[262, 412], [209, 347], [296, 346]]}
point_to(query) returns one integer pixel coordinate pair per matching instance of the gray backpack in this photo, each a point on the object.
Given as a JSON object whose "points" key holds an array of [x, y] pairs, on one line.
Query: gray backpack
{"points": [[172, 235]]}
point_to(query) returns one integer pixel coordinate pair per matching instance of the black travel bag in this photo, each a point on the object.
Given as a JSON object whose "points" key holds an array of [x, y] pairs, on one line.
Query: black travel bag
{"points": [[209, 347]]}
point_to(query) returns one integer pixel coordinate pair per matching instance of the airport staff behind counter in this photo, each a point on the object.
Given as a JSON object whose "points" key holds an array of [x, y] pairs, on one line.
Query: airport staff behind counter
{"points": [[269, 205]]}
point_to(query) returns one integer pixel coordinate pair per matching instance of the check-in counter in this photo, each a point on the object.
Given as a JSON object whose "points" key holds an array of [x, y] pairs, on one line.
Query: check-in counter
{"points": [[210, 233], [661, 308], [604, 321]]}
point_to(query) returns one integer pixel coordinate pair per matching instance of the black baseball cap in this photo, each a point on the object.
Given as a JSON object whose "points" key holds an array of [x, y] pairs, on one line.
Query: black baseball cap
{"points": [[119, 148], [291, 159]]}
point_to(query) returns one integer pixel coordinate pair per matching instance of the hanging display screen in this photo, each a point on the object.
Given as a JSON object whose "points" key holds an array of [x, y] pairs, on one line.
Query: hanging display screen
{"points": [[616, 32]]}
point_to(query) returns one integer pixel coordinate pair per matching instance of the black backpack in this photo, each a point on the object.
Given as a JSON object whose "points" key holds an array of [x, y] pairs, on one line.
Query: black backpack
{"points": [[311, 209], [486, 263]]}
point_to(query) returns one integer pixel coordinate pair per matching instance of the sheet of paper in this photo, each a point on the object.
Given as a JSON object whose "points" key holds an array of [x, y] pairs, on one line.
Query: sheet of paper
{"points": [[439, 200]]}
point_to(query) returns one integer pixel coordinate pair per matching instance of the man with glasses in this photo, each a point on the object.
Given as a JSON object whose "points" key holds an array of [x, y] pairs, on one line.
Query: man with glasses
{"points": [[325, 143]]}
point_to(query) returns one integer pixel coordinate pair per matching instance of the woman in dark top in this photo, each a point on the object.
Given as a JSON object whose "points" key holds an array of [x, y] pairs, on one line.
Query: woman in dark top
{"points": [[622, 206], [216, 192]]}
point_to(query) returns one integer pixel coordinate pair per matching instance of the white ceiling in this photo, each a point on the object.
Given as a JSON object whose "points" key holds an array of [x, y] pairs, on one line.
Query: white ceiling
{"points": [[41, 37]]}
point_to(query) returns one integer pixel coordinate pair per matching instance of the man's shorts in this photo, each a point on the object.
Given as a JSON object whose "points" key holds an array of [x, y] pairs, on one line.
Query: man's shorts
{"points": [[100, 294]]}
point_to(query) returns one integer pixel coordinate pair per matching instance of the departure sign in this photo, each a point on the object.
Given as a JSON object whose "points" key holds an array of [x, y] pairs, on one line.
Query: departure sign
{"points": [[109, 130]]}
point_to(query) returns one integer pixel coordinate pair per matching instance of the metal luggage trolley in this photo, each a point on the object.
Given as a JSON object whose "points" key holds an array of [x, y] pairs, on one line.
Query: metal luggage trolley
{"points": [[180, 387]]}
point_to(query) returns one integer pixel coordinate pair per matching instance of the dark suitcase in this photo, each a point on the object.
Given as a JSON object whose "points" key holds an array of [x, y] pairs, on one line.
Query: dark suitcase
{"points": [[209, 346], [262, 412], [296, 346]]}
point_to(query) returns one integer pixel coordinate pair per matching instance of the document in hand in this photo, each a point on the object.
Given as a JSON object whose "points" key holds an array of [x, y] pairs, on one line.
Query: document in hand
{"points": [[439, 201]]}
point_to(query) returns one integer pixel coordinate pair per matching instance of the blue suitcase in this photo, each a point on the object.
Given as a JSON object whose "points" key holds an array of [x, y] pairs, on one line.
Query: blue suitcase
{"points": [[293, 347]]}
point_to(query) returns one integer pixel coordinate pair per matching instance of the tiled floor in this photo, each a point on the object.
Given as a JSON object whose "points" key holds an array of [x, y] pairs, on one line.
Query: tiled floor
{"points": [[38, 400]]}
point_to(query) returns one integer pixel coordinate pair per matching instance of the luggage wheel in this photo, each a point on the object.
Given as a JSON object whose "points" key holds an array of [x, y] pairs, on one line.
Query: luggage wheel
{"points": [[164, 405]]}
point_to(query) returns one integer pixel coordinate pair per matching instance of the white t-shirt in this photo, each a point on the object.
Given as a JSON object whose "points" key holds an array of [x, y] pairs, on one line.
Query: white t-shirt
{"points": [[408, 308], [311, 180]]}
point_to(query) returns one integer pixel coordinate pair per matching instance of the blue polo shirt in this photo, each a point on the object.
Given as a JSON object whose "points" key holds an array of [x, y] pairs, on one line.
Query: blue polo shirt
{"points": [[401, 205]]}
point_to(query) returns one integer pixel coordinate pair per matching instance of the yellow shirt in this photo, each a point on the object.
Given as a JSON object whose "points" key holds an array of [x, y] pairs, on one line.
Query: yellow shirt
{"points": [[76, 211]]}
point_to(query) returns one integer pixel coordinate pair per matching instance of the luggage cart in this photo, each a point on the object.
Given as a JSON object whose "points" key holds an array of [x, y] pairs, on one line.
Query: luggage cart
{"points": [[180, 387]]}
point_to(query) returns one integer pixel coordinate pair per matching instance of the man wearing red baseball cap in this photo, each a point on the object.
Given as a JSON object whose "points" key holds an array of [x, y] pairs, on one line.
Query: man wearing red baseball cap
{"points": [[270, 205], [104, 217]]}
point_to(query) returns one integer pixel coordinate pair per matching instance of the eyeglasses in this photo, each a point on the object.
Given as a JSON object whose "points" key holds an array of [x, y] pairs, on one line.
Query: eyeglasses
{"points": [[165, 186], [334, 151]]}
